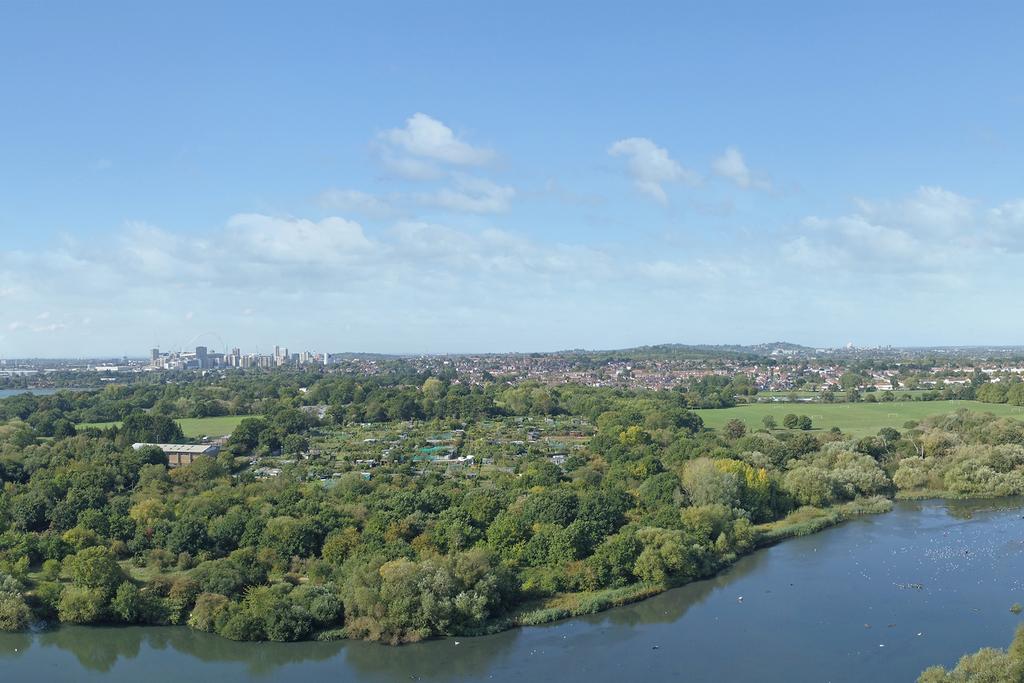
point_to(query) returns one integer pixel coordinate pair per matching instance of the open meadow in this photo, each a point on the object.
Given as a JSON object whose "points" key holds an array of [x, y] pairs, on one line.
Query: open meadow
{"points": [[856, 419], [192, 427]]}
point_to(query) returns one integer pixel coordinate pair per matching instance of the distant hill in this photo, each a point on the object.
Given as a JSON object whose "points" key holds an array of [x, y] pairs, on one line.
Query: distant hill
{"points": [[701, 351]]}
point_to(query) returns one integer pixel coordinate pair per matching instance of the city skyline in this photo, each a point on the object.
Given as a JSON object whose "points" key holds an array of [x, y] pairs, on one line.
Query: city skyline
{"points": [[702, 175]]}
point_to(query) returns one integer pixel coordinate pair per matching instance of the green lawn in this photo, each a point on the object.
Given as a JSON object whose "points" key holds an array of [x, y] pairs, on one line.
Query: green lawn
{"points": [[840, 395], [857, 419], [192, 427]]}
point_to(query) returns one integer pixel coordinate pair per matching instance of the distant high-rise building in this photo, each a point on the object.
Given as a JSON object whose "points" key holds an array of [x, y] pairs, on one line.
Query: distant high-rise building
{"points": [[154, 355]]}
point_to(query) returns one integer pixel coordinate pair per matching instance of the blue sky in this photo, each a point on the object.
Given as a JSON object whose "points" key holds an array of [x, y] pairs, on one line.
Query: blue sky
{"points": [[456, 176]]}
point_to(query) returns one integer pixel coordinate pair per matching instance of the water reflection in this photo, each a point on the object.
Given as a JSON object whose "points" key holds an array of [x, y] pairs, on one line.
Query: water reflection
{"points": [[451, 659], [100, 648], [14, 645], [674, 604], [854, 569]]}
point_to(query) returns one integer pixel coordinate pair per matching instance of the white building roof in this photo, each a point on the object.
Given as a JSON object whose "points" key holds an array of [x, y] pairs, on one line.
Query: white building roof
{"points": [[180, 448]]}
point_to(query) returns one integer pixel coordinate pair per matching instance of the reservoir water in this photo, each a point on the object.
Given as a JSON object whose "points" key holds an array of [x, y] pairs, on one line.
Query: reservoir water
{"points": [[878, 598]]}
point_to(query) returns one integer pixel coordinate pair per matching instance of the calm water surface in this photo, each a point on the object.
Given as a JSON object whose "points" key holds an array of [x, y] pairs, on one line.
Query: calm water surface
{"points": [[878, 598]]}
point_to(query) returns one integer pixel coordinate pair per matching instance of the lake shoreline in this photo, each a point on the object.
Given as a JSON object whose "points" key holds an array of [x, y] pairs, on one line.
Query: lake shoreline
{"points": [[802, 522], [769, 534], [835, 605]]}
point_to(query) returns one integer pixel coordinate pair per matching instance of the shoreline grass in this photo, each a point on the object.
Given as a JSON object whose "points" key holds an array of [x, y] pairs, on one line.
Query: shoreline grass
{"points": [[801, 522]]}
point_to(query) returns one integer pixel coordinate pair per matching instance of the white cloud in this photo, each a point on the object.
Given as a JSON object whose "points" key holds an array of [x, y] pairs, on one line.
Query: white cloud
{"points": [[274, 277], [409, 168], [651, 167], [36, 328], [932, 231], [424, 136], [356, 201], [471, 195], [271, 239], [699, 272], [732, 166], [931, 210]]}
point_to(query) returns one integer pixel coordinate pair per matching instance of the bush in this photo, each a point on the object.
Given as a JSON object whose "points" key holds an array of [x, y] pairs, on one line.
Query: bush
{"points": [[208, 610], [14, 613], [81, 605], [95, 568]]}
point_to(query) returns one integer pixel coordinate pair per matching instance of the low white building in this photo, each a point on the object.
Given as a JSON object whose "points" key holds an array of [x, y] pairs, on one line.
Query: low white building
{"points": [[182, 454]]}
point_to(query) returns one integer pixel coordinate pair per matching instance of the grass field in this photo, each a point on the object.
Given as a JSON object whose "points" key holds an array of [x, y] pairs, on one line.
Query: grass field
{"points": [[192, 427], [840, 395], [857, 419]]}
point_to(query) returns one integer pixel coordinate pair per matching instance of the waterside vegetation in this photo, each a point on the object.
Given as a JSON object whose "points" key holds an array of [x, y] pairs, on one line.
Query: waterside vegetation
{"points": [[350, 506]]}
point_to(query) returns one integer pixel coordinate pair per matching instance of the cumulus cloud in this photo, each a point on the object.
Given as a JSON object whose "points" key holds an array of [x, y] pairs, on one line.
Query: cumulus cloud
{"points": [[270, 239], [285, 273], [471, 195], [424, 136], [931, 210], [932, 230], [301, 278], [700, 272], [449, 252], [356, 201], [409, 168], [732, 166], [651, 167]]}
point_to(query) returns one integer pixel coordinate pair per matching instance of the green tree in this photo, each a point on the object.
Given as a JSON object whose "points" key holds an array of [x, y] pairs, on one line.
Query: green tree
{"points": [[95, 568], [81, 605], [15, 615], [292, 537], [735, 429], [705, 482], [851, 380], [127, 603]]}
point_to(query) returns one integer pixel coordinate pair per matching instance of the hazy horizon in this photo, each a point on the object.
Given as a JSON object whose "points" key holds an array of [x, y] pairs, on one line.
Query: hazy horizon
{"points": [[268, 349]]}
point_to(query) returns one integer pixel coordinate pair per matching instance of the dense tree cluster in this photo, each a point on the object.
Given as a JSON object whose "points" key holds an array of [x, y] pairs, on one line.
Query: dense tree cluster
{"points": [[965, 454], [95, 531], [1011, 392]]}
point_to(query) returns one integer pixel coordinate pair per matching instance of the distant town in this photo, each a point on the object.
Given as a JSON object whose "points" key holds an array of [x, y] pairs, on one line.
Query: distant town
{"points": [[777, 367]]}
